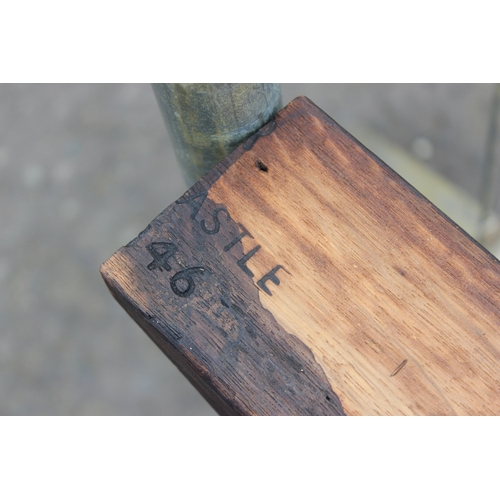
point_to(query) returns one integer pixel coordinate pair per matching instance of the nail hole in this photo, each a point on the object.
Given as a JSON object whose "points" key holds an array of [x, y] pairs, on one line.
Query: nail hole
{"points": [[261, 166]]}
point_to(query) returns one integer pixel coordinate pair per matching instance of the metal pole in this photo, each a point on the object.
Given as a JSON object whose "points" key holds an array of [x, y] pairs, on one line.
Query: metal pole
{"points": [[490, 171], [207, 121]]}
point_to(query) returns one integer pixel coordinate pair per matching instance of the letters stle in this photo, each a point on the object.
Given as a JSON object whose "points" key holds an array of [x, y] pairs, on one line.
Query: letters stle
{"points": [[303, 276]]}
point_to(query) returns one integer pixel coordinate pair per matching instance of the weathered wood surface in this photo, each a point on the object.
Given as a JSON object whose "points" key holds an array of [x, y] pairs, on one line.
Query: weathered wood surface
{"points": [[303, 276]]}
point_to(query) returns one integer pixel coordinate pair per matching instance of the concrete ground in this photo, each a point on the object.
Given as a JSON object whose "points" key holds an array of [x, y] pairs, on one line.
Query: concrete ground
{"points": [[84, 168]]}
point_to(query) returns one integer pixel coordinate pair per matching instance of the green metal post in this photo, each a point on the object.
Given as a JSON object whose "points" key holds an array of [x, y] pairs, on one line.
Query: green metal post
{"points": [[207, 121], [491, 169]]}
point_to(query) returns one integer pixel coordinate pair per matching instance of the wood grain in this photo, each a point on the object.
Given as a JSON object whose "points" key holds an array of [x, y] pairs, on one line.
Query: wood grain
{"points": [[319, 283]]}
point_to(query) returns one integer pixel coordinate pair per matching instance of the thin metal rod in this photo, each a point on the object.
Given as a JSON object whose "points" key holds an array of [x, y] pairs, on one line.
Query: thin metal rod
{"points": [[490, 169], [207, 121]]}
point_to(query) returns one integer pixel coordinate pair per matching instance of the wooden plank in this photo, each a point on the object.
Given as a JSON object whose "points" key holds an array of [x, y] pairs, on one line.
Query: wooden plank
{"points": [[303, 276]]}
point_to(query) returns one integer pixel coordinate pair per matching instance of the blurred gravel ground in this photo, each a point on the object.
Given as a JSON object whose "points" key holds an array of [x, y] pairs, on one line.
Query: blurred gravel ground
{"points": [[83, 169]]}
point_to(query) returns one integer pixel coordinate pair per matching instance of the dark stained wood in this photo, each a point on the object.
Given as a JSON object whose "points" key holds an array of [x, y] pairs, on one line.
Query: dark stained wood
{"points": [[302, 276]]}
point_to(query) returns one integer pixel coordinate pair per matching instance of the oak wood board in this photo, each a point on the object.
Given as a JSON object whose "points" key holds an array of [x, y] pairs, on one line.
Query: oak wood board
{"points": [[303, 276]]}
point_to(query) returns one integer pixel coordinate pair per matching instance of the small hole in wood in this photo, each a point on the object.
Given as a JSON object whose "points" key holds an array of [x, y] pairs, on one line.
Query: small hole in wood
{"points": [[261, 166], [183, 285]]}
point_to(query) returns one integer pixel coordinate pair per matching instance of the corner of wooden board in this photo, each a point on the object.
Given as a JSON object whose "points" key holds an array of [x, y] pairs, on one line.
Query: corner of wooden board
{"points": [[303, 276]]}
